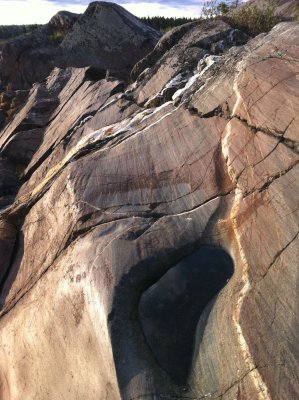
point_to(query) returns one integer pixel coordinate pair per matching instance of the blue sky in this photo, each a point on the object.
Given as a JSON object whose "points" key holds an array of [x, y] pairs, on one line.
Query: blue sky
{"points": [[40, 11]]}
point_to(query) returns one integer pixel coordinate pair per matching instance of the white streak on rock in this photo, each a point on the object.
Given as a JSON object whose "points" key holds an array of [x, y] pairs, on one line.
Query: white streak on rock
{"points": [[262, 390]]}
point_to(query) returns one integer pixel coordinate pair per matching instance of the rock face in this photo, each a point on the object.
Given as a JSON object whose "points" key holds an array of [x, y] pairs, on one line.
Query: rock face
{"points": [[27, 59], [105, 36], [115, 213], [108, 37], [172, 57], [30, 58], [63, 21]]}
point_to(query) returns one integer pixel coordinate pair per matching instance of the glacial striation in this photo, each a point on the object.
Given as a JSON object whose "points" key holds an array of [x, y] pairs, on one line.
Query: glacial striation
{"points": [[149, 232]]}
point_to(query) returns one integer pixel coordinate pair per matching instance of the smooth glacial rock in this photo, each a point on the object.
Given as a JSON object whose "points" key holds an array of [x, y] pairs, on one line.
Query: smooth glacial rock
{"points": [[111, 197]]}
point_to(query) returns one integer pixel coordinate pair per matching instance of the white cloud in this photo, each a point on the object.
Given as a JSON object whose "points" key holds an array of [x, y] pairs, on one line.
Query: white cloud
{"points": [[40, 11], [30, 11], [144, 9]]}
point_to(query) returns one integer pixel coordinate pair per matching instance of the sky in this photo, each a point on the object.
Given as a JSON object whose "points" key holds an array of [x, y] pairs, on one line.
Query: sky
{"points": [[40, 11]]}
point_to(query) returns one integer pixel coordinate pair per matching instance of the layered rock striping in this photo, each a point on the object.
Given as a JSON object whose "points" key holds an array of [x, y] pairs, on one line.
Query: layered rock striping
{"points": [[103, 192], [106, 37]]}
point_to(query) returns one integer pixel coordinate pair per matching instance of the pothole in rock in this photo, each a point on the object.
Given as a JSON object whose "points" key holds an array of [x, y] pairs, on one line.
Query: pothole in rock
{"points": [[170, 309]]}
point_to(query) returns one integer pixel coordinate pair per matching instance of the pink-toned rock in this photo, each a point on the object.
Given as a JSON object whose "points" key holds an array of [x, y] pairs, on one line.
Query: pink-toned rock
{"points": [[117, 198]]}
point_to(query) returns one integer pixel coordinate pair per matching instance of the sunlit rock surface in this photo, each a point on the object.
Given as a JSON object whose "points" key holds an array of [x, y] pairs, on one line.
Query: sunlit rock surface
{"points": [[106, 195], [106, 37]]}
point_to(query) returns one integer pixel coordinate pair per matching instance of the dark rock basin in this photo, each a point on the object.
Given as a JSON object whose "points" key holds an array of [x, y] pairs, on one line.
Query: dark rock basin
{"points": [[170, 309]]}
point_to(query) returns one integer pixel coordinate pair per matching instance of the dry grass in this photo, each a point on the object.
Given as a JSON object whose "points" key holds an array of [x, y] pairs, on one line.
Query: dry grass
{"points": [[252, 19]]}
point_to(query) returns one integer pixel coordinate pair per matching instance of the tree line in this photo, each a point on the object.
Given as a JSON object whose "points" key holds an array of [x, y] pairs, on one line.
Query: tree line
{"points": [[11, 31], [164, 24]]}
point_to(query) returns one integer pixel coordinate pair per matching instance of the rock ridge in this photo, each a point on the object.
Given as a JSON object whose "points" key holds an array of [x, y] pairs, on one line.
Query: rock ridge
{"points": [[73, 40], [109, 189]]}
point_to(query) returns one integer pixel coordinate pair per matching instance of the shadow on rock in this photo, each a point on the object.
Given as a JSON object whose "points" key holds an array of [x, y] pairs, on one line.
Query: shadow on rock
{"points": [[170, 309], [13, 256]]}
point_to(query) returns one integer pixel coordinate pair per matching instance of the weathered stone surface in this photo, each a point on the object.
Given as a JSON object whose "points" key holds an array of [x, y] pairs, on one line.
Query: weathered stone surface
{"points": [[27, 59], [166, 42], [105, 36], [108, 37], [63, 21], [115, 195], [171, 57]]}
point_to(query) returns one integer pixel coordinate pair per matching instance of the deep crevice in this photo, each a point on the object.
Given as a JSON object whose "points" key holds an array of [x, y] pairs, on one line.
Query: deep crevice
{"points": [[95, 74], [290, 144]]}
